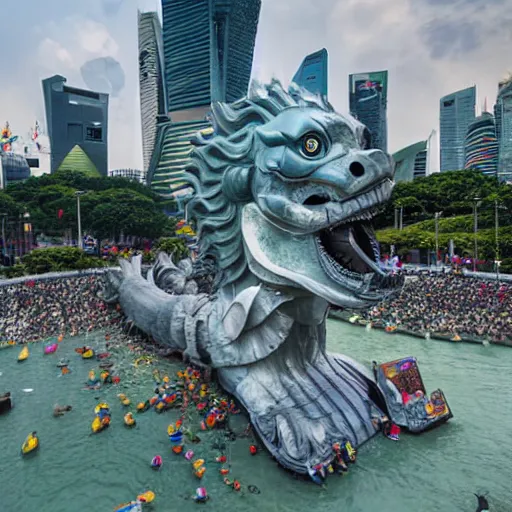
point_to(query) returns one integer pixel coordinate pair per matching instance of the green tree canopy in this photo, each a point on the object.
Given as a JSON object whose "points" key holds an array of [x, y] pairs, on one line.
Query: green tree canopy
{"points": [[109, 207]]}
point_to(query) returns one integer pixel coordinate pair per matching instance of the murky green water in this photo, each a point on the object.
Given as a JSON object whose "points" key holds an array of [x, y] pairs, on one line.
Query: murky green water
{"points": [[76, 471]]}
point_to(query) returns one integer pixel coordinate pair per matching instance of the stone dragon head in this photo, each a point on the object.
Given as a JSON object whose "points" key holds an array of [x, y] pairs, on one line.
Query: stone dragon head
{"points": [[286, 188]]}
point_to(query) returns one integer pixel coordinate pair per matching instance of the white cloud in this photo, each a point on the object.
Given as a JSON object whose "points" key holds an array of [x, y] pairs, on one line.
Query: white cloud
{"points": [[95, 39], [52, 55]]}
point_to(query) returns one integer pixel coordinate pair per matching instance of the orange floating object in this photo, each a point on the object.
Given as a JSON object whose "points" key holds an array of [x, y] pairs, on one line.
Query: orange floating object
{"points": [[200, 472], [210, 421], [177, 449], [224, 471]]}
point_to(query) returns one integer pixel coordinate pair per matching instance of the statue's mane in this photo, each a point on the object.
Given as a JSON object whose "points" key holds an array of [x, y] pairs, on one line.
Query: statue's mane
{"points": [[220, 170]]}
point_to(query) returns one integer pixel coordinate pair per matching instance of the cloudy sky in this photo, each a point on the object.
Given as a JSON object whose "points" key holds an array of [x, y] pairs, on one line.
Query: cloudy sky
{"points": [[430, 47]]}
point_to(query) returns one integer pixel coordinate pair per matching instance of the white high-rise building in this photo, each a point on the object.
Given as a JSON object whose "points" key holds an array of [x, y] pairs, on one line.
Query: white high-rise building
{"points": [[151, 79]]}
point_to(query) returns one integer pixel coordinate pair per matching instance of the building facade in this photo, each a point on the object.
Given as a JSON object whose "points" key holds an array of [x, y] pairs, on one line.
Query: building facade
{"points": [[130, 174], [13, 168], [411, 162], [481, 146], [368, 99], [76, 117], [503, 113], [208, 53], [313, 73], [457, 112], [151, 81]]}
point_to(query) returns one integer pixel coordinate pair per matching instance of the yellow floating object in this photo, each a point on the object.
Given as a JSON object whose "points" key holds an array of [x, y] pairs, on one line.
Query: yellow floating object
{"points": [[31, 443], [170, 429], [121, 396], [159, 406], [23, 354], [146, 497], [88, 354], [98, 425], [198, 463], [126, 402], [129, 420], [166, 379], [100, 406]]}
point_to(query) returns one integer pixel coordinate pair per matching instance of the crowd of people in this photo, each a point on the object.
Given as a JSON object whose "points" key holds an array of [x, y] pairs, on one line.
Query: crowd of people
{"points": [[36, 310], [449, 304]]}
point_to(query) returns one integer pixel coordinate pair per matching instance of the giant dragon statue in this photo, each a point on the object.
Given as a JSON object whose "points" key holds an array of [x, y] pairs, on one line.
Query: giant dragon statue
{"points": [[285, 189]]}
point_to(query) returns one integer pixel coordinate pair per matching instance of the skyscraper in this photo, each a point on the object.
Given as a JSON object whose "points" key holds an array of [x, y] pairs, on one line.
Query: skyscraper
{"points": [[503, 112], [208, 49], [457, 112], [368, 98], [481, 146], [76, 117], [151, 79], [312, 74], [208, 53]]}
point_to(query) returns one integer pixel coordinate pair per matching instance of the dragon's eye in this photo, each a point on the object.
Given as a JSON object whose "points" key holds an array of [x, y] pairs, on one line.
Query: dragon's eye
{"points": [[311, 145]]}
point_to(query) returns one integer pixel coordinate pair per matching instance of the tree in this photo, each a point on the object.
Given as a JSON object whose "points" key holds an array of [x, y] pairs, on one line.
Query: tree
{"points": [[111, 206]]}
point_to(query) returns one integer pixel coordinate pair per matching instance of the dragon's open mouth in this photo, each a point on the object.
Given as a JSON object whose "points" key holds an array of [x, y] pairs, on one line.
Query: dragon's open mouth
{"points": [[350, 252]]}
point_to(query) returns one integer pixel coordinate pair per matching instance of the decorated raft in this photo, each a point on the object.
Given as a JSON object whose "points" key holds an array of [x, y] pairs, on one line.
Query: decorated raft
{"points": [[409, 406]]}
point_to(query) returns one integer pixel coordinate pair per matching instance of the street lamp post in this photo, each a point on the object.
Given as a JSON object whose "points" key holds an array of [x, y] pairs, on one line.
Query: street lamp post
{"points": [[78, 193], [437, 214], [476, 204]]}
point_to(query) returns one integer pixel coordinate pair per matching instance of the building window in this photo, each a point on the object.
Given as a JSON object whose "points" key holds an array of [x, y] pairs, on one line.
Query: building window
{"points": [[94, 134]]}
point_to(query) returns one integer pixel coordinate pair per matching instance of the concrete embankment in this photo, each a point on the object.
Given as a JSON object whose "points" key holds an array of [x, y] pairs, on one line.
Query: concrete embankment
{"points": [[343, 316]]}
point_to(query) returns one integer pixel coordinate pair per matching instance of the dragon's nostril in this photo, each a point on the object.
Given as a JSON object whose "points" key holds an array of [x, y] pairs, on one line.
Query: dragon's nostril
{"points": [[356, 169]]}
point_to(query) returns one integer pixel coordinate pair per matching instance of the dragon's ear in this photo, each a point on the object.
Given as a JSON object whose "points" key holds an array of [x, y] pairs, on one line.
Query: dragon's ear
{"points": [[236, 315]]}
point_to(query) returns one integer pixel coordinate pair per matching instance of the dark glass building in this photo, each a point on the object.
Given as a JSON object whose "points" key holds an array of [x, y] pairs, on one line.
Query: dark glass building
{"points": [[76, 117], [457, 112], [208, 53], [481, 147], [503, 113], [151, 81], [312, 74], [13, 168], [368, 99]]}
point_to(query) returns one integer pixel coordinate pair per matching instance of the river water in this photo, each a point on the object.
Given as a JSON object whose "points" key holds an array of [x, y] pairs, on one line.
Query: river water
{"points": [[74, 470]]}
